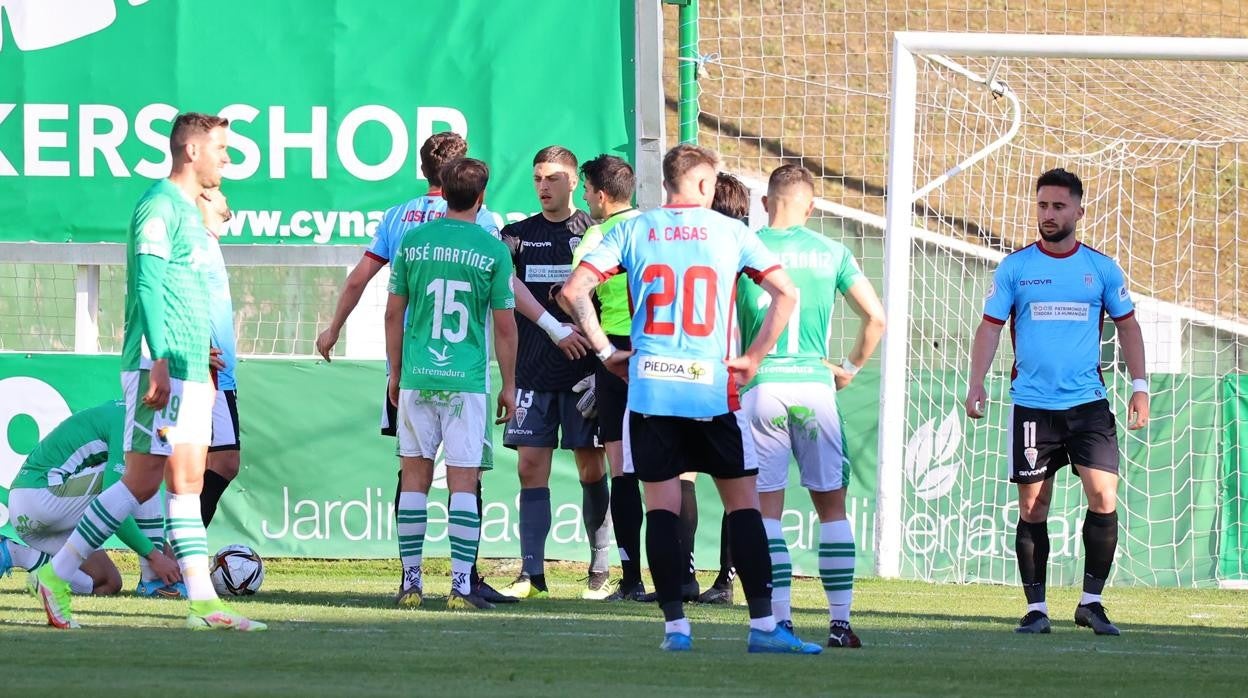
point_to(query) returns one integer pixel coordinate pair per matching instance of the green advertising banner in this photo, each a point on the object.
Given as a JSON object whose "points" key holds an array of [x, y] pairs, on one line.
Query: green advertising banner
{"points": [[317, 480], [960, 509], [329, 103], [1233, 546]]}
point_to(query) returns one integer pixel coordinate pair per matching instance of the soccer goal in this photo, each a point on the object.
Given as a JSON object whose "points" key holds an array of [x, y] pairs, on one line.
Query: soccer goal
{"points": [[1157, 129]]}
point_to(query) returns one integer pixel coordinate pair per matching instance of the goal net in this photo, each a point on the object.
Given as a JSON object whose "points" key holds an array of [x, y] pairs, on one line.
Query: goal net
{"points": [[1161, 148]]}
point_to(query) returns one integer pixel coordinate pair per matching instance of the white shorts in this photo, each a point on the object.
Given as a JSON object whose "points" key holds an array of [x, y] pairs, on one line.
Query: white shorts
{"points": [[43, 519], [225, 422], [799, 420], [186, 418], [454, 420]]}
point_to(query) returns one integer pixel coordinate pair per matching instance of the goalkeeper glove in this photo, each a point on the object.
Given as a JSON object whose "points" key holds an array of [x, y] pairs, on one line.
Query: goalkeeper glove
{"points": [[588, 404]]}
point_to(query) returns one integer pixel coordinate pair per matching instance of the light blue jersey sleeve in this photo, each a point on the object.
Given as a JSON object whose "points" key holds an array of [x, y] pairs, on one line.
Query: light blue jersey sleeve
{"points": [[1117, 297], [999, 302], [221, 315], [387, 237]]}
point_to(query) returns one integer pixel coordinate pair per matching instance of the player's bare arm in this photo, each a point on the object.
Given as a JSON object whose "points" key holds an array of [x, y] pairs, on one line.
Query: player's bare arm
{"points": [[506, 338], [1131, 340], [576, 297], [983, 350], [396, 308], [352, 290], [783, 294], [865, 303], [570, 341]]}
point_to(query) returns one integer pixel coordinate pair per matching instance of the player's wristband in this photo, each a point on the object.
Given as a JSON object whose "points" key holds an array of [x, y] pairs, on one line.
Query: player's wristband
{"points": [[605, 353], [850, 367], [1139, 385], [554, 329]]}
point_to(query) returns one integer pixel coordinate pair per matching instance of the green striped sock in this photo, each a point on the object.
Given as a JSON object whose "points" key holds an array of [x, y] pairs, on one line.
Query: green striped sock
{"points": [[412, 519], [465, 533], [836, 566], [781, 571], [189, 540]]}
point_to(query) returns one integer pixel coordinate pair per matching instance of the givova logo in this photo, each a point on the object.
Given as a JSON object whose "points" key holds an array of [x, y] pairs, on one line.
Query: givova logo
{"points": [[40, 24], [29, 397], [931, 465]]}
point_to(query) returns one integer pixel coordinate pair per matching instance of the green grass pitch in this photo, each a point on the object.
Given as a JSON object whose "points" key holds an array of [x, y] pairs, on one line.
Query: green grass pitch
{"points": [[333, 632]]}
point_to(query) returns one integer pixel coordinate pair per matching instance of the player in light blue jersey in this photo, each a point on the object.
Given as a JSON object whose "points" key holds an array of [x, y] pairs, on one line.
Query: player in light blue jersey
{"points": [[1055, 294], [682, 262], [224, 452]]}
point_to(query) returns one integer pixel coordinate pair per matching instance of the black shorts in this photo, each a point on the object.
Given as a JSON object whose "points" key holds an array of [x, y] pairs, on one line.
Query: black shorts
{"points": [[549, 419], [612, 397], [389, 415], [1042, 441], [225, 433], [661, 448]]}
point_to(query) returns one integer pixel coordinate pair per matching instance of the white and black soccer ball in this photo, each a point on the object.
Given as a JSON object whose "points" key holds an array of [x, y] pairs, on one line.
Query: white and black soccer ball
{"points": [[237, 570]]}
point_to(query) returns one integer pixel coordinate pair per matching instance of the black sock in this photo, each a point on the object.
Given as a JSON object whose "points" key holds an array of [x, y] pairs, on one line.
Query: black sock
{"points": [[688, 525], [595, 514], [1031, 546], [474, 575], [534, 528], [214, 487], [626, 519], [749, 549], [666, 559], [1100, 540], [726, 571]]}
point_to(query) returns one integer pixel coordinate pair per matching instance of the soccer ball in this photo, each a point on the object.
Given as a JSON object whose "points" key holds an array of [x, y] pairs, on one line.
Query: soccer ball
{"points": [[237, 570]]}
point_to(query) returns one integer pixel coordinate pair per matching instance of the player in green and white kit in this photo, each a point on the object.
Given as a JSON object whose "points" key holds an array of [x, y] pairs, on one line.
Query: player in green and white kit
{"points": [[165, 381], [448, 280], [60, 478], [791, 403]]}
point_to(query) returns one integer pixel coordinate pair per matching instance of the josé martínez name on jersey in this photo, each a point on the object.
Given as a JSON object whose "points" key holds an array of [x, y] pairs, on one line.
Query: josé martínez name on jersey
{"points": [[453, 255]]}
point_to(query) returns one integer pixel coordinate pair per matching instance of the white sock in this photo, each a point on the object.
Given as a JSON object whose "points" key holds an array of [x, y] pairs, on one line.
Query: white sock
{"points": [[1042, 607], [81, 583], [766, 624], [836, 567], [781, 571], [190, 544], [25, 557], [680, 625], [100, 521], [1087, 598]]}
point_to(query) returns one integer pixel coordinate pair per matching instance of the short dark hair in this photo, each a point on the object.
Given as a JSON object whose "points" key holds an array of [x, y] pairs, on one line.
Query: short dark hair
{"points": [[1058, 177], [556, 154], [731, 197], [685, 157], [610, 175], [463, 182], [786, 176], [193, 124], [438, 150]]}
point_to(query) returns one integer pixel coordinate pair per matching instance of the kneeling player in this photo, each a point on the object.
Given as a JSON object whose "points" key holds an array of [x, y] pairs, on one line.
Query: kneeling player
{"points": [[446, 278], [792, 401], [59, 481]]}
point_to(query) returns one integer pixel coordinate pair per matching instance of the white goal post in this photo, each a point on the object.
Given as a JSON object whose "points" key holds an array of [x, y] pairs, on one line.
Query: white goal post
{"points": [[903, 229]]}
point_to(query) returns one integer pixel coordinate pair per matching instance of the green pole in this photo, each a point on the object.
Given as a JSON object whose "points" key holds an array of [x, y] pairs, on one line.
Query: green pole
{"points": [[688, 68]]}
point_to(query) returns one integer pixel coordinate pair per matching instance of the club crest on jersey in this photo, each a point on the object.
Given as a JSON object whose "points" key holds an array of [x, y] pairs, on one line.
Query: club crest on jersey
{"points": [[1087, 280], [679, 370], [572, 243]]}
